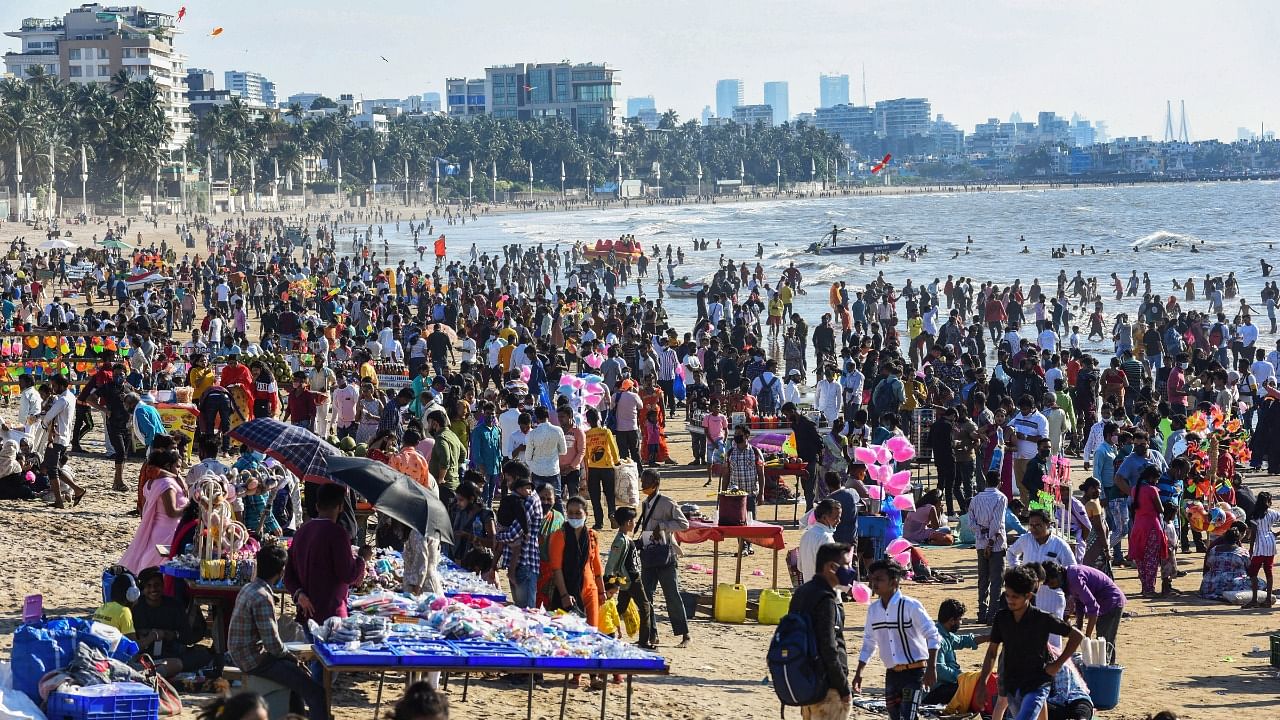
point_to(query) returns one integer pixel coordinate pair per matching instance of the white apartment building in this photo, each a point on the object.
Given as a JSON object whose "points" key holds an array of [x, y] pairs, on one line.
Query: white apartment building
{"points": [[93, 42]]}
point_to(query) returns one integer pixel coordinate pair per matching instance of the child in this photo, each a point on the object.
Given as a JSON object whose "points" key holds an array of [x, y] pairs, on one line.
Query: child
{"points": [[1169, 568], [698, 431], [118, 612], [652, 437], [1074, 338], [1262, 549], [716, 426], [622, 573], [258, 518]]}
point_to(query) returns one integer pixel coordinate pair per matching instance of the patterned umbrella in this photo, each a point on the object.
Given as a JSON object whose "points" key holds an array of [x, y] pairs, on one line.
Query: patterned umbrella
{"points": [[299, 450]]}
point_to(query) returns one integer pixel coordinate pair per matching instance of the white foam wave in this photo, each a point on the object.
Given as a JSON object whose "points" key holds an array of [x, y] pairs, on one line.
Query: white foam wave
{"points": [[1166, 237]]}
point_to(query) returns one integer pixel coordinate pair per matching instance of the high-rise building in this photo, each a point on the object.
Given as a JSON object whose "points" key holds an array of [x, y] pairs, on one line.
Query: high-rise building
{"points": [[465, 97], [93, 42], [582, 93], [775, 96], [707, 115], [752, 114], [728, 97], [431, 102], [902, 117], [199, 79], [254, 88], [849, 122], [636, 104], [833, 90]]}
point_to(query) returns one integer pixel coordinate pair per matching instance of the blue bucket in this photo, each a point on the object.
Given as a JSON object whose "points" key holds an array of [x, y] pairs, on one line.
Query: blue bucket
{"points": [[1104, 685]]}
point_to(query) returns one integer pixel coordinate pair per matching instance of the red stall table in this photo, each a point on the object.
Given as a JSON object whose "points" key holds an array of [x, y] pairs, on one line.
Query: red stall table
{"points": [[767, 535]]}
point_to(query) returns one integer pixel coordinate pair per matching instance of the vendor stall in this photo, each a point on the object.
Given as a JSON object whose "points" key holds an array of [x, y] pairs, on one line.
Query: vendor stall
{"points": [[759, 533]]}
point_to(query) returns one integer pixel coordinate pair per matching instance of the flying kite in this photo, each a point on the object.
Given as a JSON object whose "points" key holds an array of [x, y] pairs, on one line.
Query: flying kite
{"points": [[881, 165], [216, 32], [182, 12], [384, 59]]}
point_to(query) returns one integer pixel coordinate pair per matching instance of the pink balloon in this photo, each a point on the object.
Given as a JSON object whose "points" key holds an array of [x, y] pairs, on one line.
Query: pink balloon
{"points": [[874, 492], [861, 593], [866, 456], [595, 388], [882, 454], [524, 373], [904, 503], [901, 449], [903, 558], [898, 546]]}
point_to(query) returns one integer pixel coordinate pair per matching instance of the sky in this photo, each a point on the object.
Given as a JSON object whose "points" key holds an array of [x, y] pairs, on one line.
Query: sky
{"points": [[1113, 61]]}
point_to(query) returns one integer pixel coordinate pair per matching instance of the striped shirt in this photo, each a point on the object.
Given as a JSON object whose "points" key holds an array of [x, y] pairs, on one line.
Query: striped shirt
{"points": [[986, 514], [667, 361], [903, 632], [1264, 538]]}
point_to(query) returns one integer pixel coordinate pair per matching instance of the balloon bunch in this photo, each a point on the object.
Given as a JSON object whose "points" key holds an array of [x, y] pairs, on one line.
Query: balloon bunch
{"points": [[1214, 519]]}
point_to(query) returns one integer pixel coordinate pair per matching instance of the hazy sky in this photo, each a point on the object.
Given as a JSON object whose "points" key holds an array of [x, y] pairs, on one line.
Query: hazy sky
{"points": [[974, 59]]}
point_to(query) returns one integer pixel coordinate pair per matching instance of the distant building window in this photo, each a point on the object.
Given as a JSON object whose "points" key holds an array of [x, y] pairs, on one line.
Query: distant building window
{"points": [[75, 71], [73, 54], [104, 71]]}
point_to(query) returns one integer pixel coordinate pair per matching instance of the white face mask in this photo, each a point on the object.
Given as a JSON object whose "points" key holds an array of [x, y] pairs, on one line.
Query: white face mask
{"points": [[576, 523]]}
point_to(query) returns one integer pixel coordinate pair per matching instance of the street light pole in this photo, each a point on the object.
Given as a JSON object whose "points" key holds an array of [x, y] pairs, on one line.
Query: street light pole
{"points": [[22, 215], [84, 184]]}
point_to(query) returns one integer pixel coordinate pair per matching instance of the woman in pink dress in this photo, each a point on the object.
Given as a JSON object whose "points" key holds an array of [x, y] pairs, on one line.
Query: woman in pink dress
{"points": [[1148, 546], [164, 498]]}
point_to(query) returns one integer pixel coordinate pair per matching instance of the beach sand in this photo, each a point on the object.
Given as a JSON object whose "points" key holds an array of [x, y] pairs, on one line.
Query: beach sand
{"points": [[1198, 658]]}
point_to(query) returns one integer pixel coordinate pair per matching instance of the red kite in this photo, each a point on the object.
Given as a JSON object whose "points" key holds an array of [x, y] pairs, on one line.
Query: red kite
{"points": [[216, 32], [182, 12], [881, 165]]}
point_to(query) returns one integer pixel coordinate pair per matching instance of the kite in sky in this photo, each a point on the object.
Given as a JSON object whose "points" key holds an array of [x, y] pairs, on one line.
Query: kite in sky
{"points": [[216, 32], [881, 165], [182, 12], [384, 58]]}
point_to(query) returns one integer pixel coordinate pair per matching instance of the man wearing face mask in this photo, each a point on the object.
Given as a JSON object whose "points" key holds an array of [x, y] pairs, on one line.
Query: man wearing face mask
{"points": [[817, 600], [826, 515]]}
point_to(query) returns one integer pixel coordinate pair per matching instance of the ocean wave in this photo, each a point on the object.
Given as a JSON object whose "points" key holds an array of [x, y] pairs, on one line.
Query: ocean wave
{"points": [[1166, 237], [833, 272]]}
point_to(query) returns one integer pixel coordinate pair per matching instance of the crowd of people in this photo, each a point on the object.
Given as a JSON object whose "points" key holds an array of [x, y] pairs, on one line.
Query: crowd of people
{"points": [[453, 374]]}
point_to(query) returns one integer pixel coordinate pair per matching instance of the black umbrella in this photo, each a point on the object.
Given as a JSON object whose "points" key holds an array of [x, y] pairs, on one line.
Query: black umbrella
{"points": [[394, 494]]}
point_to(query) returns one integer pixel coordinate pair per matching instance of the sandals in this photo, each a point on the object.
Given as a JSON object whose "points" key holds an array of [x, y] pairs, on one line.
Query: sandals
{"points": [[78, 497]]}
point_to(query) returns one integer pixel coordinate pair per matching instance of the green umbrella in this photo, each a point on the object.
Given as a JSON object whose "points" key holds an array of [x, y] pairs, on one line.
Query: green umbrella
{"points": [[114, 244]]}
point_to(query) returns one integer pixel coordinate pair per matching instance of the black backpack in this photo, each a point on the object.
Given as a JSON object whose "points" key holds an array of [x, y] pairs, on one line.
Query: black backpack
{"points": [[794, 665], [768, 401]]}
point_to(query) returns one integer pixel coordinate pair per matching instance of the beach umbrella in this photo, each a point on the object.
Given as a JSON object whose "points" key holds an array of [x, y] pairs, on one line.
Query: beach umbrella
{"points": [[394, 494], [56, 244], [114, 244], [301, 451]]}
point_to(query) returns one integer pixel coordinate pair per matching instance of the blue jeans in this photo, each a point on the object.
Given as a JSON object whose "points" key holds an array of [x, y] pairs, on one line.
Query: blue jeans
{"points": [[1027, 705], [1118, 519], [524, 587]]}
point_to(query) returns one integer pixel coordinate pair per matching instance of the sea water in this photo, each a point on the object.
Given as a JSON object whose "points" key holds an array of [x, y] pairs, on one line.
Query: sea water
{"points": [[1149, 228]]}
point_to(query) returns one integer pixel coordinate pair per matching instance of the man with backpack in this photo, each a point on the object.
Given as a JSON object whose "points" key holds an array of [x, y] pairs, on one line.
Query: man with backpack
{"points": [[889, 393], [807, 658], [768, 390]]}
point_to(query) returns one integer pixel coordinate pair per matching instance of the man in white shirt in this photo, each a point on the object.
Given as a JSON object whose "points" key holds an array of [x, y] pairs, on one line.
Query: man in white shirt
{"points": [[543, 449], [1261, 369], [509, 425], [57, 424], [1029, 426], [826, 515], [851, 385], [346, 400], [1040, 545], [906, 637], [1048, 340], [986, 515], [829, 395]]}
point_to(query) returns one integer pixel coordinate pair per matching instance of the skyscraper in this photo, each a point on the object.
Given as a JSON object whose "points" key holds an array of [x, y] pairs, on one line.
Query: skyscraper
{"points": [[636, 104], [728, 97], [833, 90], [775, 96], [254, 88]]}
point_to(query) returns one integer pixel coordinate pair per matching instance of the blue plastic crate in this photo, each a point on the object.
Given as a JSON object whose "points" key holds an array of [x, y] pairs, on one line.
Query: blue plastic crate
{"points": [[428, 652], [113, 701], [649, 662], [339, 654], [565, 663], [483, 653]]}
